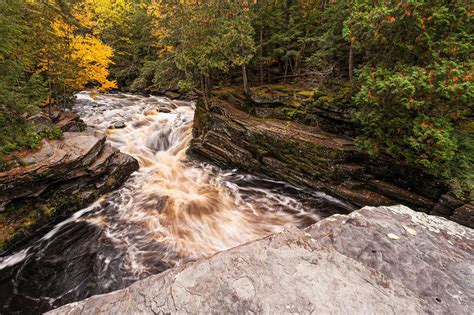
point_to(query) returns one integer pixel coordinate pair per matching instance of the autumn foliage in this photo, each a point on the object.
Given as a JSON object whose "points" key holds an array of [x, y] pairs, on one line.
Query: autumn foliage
{"points": [[410, 62], [415, 94]]}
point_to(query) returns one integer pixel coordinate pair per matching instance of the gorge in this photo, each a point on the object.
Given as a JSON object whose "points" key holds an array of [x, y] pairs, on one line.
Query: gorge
{"points": [[175, 209], [264, 157], [171, 211]]}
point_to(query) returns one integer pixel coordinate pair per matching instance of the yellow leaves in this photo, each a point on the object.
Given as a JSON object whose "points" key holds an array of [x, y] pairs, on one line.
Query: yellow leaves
{"points": [[94, 58], [85, 14], [107, 13], [108, 85], [166, 48], [62, 29], [74, 58]]}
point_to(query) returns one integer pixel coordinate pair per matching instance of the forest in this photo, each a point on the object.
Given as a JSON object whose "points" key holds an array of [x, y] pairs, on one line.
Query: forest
{"points": [[409, 62]]}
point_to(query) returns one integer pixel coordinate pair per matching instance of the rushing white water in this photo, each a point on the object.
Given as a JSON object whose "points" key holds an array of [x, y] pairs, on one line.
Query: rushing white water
{"points": [[172, 210], [191, 209]]}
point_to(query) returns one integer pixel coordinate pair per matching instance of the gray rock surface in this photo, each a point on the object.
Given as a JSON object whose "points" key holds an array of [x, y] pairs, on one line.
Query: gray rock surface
{"points": [[119, 125], [40, 122], [384, 260], [69, 121]]}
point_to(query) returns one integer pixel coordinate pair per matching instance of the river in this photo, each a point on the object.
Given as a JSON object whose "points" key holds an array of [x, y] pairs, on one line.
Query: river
{"points": [[173, 210]]}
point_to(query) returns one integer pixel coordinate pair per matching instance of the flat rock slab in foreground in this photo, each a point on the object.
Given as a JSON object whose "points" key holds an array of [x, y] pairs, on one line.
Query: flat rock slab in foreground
{"points": [[381, 260]]}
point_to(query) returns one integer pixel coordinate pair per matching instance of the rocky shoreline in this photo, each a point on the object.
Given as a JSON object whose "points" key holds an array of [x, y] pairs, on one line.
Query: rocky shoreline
{"points": [[374, 260], [60, 177], [231, 133]]}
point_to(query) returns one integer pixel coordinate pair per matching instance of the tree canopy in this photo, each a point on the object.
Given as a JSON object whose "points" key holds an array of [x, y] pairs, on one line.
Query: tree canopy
{"points": [[410, 62]]}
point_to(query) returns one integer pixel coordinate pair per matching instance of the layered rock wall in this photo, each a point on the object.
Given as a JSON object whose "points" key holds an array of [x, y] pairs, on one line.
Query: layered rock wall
{"points": [[229, 134], [61, 177]]}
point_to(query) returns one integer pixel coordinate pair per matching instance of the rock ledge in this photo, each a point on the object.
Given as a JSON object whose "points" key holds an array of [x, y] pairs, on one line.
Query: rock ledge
{"points": [[374, 260], [61, 177], [306, 155]]}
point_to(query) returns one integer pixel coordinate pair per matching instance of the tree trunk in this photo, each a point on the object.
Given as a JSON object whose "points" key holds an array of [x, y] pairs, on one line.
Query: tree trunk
{"points": [[351, 62], [208, 83], [203, 90], [245, 80], [298, 58], [203, 85], [50, 96], [268, 74], [261, 55]]}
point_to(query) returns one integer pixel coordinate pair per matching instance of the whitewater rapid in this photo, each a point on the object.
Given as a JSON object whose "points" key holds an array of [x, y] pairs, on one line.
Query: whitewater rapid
{"points": [[174, 209]]}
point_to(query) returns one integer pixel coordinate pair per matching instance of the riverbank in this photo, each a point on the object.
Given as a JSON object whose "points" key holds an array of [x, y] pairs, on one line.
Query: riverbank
{"points": [[61, 176], [174, 209], [306, 138]]}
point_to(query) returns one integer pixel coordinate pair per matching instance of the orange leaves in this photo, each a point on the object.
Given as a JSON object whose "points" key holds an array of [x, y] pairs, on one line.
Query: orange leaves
{"points": [[422, 24], [405, 5], [390, 19]]}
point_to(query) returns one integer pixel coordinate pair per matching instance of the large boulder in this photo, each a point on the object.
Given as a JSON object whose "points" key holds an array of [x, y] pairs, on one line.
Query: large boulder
{"points": [[373, 261], [61, 177], [227, 134], [69, 121]]}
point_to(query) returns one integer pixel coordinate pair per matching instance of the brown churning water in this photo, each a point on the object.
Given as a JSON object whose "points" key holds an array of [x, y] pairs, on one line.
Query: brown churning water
{"points": [[189, 208], [192, 209], [172, 210]]}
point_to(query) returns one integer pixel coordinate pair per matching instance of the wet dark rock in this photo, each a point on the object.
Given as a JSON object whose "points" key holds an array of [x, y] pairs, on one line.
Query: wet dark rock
{"points": [[40, 122], [190, 96], [119, 95], [119, 125], [163, 110], [372, 261], [172, 95], [309, 156], [70, 122], [55, 115], [93, 84], [464, 214], [177, 103], [144, 94], [61, 177]]}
